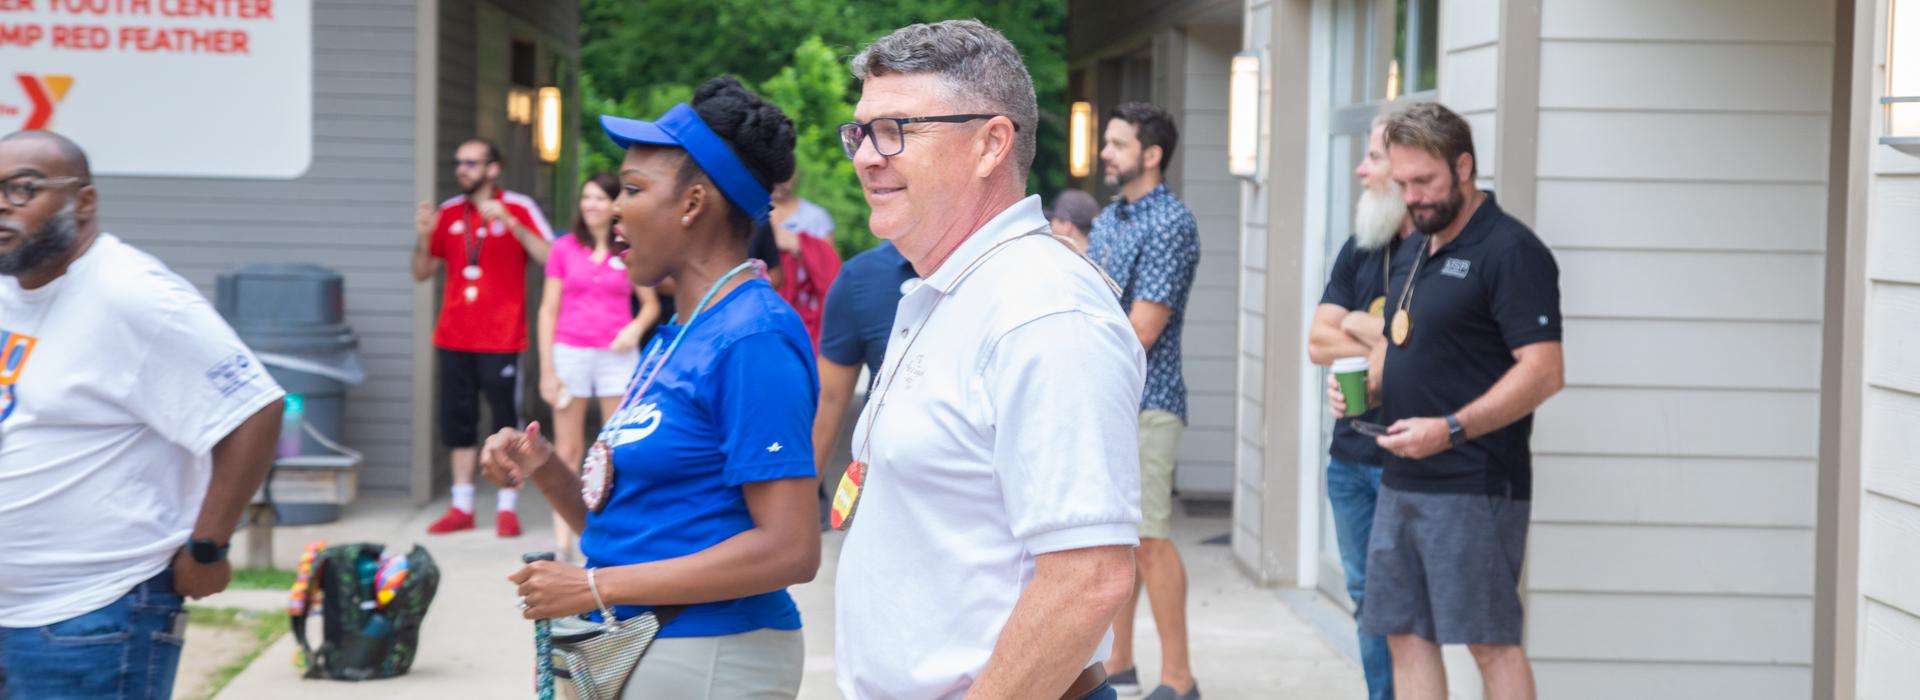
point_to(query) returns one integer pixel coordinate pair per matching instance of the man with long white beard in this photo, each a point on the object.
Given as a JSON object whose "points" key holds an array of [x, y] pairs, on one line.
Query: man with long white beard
{"points": [[1349, 323]]}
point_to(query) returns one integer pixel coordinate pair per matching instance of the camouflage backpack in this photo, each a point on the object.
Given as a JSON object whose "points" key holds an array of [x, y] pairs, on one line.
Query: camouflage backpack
{"points": [[371, 605]]}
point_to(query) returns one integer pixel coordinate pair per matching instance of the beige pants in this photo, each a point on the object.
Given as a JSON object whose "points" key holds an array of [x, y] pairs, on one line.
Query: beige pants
{"points": [[759, 665], [1159, 443]]}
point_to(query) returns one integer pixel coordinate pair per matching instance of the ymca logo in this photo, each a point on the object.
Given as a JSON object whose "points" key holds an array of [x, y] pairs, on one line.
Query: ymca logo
{"points": [[14, 350], [44, 92], [635, 423]]}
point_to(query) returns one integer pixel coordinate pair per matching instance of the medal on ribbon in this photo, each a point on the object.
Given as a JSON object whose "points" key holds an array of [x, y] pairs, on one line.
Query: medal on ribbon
{"points": [[846, 499], [596, 477]]}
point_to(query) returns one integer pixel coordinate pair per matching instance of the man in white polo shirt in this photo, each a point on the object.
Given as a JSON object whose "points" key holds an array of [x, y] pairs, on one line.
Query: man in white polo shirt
{"points": [[993, 540]]}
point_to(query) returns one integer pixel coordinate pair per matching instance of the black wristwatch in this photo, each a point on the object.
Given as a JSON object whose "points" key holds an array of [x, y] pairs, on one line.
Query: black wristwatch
{"points": [[1456, 435], [206, 551]]}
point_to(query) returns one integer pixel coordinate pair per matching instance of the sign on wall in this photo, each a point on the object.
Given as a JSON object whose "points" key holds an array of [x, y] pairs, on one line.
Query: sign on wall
{"points": [[183, 88]]}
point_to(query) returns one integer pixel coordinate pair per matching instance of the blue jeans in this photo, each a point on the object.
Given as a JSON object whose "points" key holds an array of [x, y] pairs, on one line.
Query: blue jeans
{"points": [[127, 650], [1104, 692], [1353, 489]]}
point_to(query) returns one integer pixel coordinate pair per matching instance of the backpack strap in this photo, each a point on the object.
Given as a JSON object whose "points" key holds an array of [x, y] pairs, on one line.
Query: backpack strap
{"points": [[301, 607]]}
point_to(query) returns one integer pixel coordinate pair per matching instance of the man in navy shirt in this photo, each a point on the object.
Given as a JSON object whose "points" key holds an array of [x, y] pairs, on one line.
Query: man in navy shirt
{"points": [[853, 332], [1350, 323], [1148, 242], [1473, 331]]}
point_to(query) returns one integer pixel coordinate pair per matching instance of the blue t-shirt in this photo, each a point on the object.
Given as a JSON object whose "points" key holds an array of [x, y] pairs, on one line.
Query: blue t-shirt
{"points": [[860, 307], [733, 405]]}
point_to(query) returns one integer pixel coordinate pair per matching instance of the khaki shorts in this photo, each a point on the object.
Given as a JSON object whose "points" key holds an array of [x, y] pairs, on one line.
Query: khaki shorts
{"points": [[764, 664], [1159, 442]]}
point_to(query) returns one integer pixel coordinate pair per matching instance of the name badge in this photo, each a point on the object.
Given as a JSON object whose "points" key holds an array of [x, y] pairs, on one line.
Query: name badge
{"points": [[846, 499]]}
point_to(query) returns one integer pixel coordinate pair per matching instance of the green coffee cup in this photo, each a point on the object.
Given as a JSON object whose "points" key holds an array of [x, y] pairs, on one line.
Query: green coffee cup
{"points": [[1351, 373]]}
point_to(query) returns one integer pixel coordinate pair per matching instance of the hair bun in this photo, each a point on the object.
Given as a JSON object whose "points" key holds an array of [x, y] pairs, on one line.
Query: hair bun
{"points": [[759, 132]]}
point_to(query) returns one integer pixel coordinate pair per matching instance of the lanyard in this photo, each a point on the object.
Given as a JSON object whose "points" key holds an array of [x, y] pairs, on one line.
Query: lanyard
{"points": [[475, 242], [632, 397]]}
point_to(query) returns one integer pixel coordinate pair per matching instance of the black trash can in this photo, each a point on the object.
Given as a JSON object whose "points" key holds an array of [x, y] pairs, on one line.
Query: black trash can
{"points": [[293, 317]]}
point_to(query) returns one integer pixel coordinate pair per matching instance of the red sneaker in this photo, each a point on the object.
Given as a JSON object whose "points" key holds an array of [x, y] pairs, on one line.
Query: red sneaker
{"points": [[454, 521], [506, 524]]}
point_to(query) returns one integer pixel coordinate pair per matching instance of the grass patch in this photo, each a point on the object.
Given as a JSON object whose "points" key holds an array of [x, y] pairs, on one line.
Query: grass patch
{"points": [[266, 627], [262, 579]]}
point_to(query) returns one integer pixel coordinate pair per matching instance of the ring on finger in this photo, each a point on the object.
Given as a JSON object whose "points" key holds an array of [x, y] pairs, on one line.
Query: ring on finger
{"points": [[520, 601]]}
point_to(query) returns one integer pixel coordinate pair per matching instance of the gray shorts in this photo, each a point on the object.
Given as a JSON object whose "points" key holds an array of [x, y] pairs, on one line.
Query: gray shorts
{"points": [[1446, 567]]}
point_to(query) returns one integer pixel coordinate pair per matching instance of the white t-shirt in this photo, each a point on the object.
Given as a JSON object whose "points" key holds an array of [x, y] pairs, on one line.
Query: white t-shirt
{"points": [[107, 441], [1010, 432]]}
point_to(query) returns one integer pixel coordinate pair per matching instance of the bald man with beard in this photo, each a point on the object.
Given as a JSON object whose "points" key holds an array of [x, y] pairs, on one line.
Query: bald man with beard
{"points": [[134, 428]]}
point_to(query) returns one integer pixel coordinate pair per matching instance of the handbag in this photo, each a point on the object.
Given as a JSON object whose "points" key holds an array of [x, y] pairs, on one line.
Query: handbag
{"points": [[599, 657]]}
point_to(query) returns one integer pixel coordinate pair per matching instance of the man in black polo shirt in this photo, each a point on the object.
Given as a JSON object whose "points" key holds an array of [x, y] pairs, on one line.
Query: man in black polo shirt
{"points": [[1473, 349], [1350, 322]]}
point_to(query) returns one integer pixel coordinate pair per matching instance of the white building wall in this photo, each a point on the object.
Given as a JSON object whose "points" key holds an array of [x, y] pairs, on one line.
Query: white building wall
{"points": [[1249, 442], [1682, 155], [1890, 424]]}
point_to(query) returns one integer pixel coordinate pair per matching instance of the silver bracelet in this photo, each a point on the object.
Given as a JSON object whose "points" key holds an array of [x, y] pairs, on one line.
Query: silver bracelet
{"points": [[597, 600]]}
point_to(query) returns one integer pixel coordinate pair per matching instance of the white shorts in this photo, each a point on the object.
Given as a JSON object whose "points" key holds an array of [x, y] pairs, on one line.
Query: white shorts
{"points": [[592, 372]]}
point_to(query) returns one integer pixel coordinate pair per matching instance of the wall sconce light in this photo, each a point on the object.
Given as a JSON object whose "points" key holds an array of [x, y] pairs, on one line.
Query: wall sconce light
{"points": [[1080, 140], [550, 124], [520, 105], [1902, 100], [1243, 115]]}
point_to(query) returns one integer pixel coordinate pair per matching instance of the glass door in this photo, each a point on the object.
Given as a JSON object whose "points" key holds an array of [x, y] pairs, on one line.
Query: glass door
{"points": [[1384, 54]]}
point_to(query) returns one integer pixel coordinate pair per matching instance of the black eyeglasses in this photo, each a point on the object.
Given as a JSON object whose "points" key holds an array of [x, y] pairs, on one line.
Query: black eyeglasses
{"points": [[889, 133], [21, 189]]}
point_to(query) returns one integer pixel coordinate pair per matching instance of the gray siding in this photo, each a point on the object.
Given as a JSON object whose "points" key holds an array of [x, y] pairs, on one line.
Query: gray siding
{"points": [[1250, 545], [1681, 183], [351, 211], [1890, 425], [1198, 99]]}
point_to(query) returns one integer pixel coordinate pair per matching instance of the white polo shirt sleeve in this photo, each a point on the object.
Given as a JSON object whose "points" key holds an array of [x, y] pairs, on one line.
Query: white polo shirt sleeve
{"points": [[1064, 389]]}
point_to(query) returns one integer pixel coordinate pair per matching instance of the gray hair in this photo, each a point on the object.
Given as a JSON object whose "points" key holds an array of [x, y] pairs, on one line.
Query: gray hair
{"points": [[980, 68]]}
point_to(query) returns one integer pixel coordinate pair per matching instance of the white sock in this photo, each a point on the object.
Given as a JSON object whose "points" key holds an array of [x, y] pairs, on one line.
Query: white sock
{"points": [[507, 499], [463, 497]]}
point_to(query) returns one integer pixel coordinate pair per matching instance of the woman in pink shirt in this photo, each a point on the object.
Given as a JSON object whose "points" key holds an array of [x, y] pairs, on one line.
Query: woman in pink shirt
{"points": [[589, 334]]}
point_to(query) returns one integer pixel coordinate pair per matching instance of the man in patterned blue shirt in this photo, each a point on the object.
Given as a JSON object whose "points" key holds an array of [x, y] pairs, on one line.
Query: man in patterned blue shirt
{"points": [[1149, 244]]}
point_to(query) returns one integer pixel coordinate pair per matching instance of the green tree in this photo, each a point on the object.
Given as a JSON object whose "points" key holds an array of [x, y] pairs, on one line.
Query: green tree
{"points": [[639, 58]]}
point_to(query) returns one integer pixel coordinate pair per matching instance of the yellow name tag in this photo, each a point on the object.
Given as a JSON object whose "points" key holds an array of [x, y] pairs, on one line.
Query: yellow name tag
{"points": [[847, 497]]}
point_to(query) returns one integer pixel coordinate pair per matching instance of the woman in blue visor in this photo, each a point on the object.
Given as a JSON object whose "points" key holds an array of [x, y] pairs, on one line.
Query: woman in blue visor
{"points": [[697, 500]]}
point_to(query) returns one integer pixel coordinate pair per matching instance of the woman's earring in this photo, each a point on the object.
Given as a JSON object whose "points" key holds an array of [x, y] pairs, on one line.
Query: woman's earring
{"points": [[684, 220]]}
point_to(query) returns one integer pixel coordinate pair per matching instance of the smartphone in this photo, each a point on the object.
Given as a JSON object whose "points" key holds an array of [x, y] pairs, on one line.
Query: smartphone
{"points": [[1370, 429]]}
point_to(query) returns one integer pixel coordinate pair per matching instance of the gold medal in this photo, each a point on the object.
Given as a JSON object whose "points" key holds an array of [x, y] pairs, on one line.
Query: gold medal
{"points": [[1401, 327], [847, 498]]}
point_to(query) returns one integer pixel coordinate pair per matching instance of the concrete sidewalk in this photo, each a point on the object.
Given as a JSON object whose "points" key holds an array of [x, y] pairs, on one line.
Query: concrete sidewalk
{"points": [[1246, 642]]}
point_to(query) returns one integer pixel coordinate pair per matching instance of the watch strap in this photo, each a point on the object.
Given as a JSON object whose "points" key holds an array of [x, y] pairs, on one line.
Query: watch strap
{"points": [[1456, 434]]}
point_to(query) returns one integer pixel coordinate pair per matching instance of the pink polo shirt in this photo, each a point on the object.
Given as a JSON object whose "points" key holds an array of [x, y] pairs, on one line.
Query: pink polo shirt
{"points": [[595, 298]]}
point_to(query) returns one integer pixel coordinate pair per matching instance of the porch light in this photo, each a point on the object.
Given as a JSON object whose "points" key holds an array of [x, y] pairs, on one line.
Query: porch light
{"points": [[549, 124], [519, 105], [1080, 140], [1243, 115], [1902, 100]]}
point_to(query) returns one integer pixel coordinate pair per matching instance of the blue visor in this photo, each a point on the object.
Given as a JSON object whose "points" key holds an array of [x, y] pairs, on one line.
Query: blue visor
{"points": [[682, 127]]}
